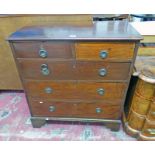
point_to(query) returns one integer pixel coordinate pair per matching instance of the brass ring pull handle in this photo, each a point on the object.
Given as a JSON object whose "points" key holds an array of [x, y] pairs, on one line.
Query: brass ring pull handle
{"points": [[98, 110], [48, 90], [100, 91], [52, 108], [102, 72], [43, 53], [103, 54], [44, 69]]}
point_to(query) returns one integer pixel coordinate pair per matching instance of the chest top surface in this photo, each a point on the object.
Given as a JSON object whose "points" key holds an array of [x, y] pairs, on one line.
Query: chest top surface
{"points": [[101, 30]]}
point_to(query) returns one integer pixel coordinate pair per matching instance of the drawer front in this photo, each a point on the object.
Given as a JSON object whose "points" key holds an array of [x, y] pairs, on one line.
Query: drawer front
{"points": [[151, 113], [43, 49], [139, 104], [149, 129], [104, 51], [75, 90], [135, 120], [74, 109], [145, 89], [54, 70], [103, 71], [70, 70]]}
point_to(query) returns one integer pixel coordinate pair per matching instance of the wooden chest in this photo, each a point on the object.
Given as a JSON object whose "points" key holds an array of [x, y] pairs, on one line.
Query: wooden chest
{"points": [[76, 73]]}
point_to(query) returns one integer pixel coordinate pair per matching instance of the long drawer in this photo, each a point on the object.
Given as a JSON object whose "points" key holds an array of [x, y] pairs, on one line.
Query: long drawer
{"points": [[74, 109], [75, 90], [112, 51], [45, 49], [71, 70]]}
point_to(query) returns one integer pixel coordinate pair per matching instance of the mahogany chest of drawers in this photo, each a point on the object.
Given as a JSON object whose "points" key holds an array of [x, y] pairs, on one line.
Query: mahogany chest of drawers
{"points": [[76, 73]]}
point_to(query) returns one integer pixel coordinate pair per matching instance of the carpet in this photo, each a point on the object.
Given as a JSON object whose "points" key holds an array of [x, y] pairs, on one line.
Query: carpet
{"points": [[15, 125]]}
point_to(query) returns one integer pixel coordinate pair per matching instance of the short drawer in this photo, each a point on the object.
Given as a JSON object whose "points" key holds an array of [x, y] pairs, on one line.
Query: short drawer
{"points": [[102, 71], [104, 51], [135, 121], [70, 70], [149, 129], [139, 104], [45, 49], [75, 90], [74, 109]]}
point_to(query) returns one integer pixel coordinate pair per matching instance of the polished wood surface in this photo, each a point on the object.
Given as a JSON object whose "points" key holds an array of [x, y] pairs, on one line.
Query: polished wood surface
{"points": [[71, 70], [107, 30], [75, 90], [9, 78], [117, 51], [75, 109]]}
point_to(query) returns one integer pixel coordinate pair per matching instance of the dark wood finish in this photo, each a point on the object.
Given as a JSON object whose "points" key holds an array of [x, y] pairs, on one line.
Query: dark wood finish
{"points": [[75, 109], [37, 123], [115, 71], [113, 126], [55, 49], [107, 122], [117, 51], [75, 90], [70, 89], [108, 30], [71, 70]]}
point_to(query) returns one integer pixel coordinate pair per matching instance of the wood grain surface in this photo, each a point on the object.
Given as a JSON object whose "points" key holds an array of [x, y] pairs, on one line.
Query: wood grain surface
{"points": [[75, 90], [75, 109], [107, 30], [55, 49], [117, 51], [71, 70]]}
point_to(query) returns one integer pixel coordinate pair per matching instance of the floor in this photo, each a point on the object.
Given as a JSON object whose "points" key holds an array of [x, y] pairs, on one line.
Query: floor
{"points": [[15, 125]]}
